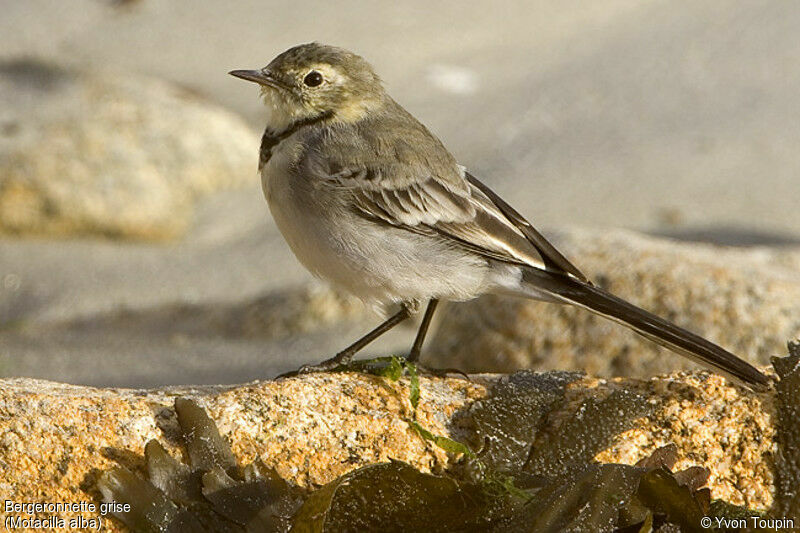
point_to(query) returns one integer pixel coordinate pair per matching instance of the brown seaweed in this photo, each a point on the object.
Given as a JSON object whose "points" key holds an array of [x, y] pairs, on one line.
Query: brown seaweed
{"points": [[511, 478]]}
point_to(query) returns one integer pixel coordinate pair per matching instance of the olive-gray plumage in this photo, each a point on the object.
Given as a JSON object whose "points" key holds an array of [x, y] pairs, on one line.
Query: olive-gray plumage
{"points": [[369, 200]]}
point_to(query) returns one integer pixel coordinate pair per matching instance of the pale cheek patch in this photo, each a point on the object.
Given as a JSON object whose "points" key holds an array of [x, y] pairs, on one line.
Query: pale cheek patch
{"points": [[281, 113]]}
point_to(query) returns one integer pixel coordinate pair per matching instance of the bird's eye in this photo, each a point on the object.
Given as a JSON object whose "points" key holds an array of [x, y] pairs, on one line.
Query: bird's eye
{"points": [[313, 78]]}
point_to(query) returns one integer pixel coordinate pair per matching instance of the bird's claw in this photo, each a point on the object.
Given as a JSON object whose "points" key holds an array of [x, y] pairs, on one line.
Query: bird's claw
{"points": [[342, 364], [334, 363]]}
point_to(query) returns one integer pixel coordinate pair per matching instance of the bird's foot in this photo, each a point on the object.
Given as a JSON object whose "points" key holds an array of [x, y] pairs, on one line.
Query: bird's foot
{"points": [[376, 365], [337, 363]]}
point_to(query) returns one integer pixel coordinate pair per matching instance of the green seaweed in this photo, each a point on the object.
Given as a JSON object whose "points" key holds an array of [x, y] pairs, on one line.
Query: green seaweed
{"points": [[413, 391], [445, 443], [393, 370]]}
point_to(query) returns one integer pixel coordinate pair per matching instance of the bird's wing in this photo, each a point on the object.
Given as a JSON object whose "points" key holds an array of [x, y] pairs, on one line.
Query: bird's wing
{"points": [[457, 209], [554, 259], [411, 181]]}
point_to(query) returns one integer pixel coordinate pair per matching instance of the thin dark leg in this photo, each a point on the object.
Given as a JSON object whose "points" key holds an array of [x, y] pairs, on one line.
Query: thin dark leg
{"points": [[413, 355], [343, 357]]}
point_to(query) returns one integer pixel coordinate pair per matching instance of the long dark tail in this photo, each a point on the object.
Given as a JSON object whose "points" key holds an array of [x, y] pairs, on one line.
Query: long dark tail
{"points": [[667, 334]]}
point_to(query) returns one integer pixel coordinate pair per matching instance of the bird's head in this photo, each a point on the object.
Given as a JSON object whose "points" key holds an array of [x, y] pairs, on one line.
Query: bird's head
{"points": [[312, 80]]}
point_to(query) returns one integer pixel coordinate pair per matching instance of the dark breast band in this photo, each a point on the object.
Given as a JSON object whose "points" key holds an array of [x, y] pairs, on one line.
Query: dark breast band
{"points": [[271, 139]]}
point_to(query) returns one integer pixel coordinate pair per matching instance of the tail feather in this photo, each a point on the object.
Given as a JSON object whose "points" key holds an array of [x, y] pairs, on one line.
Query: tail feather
{"points": [[663, 332]]}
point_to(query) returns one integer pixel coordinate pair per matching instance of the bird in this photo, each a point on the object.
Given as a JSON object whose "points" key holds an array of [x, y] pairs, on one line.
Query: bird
{"points": [[371, 201]]}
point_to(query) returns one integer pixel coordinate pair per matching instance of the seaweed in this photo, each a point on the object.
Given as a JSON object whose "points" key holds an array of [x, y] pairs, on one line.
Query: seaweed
{"points": [[211, 494], [509, 475], [588, 432], [510, 419], [393, 497], [662, 493], [787, 483]]}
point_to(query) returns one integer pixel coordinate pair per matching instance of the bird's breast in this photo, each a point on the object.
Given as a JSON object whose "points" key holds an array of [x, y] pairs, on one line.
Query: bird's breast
{"points": [[275, 163], [373, 261], [301, 216]]}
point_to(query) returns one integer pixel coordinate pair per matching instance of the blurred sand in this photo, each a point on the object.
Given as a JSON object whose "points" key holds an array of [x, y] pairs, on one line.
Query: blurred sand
{"points": [[679, 119]]}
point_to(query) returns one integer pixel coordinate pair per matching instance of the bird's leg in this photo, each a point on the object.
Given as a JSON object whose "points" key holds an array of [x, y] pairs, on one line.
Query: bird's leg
{"points": [[416, 349], [344, 357]]}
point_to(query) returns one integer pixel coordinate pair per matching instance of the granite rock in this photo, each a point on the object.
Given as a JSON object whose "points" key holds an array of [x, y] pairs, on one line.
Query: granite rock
{"points": [[56, 439], [744, 299]]}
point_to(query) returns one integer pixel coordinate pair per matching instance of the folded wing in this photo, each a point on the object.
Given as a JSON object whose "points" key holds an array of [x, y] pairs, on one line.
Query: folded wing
{"points": [[460, 209]]}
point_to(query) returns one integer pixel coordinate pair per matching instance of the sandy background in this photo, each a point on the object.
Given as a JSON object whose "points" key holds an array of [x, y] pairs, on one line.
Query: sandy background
{"points": [[679, 119]]}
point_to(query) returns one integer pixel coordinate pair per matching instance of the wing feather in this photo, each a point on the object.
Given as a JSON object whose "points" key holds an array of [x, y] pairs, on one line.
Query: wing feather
{"points": [[432, 207], [422, 189]]}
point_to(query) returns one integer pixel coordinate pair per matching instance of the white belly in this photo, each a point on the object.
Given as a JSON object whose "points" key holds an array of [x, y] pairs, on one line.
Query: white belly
{"points": [[377, 263]]}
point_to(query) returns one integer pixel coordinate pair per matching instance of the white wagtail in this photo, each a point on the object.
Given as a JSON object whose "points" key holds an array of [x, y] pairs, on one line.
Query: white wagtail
{"points": [[369, 200]]}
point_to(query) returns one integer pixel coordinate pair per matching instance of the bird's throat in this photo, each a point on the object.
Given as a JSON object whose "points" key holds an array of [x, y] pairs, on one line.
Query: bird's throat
{"points": [[271, 138]]}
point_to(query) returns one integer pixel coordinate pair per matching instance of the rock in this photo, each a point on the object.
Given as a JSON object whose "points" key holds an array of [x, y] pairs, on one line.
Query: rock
{"points": [[56, 439], [746, 300], [110, 154]]}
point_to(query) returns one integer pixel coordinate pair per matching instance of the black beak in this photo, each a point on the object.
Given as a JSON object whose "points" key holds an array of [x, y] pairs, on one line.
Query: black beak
{"points": [[257, 76]]}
